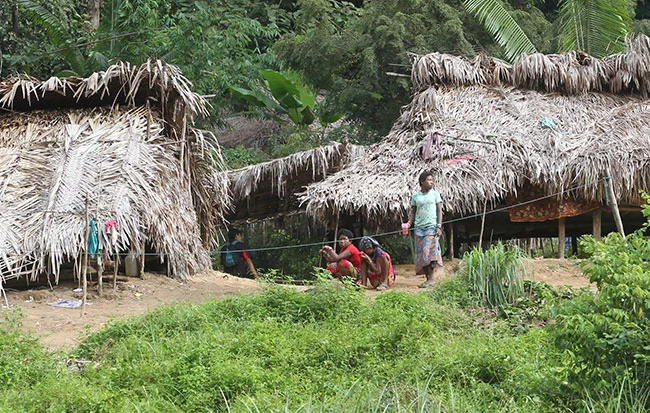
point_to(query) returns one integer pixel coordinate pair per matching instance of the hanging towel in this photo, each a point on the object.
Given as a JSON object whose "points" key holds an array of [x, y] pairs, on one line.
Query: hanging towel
{"points": [[111, 230], [93, 239]]}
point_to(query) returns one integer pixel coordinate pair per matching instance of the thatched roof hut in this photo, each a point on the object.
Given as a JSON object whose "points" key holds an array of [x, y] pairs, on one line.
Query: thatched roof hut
{"points": [[269, 189], [498, 135], [121, 142]]}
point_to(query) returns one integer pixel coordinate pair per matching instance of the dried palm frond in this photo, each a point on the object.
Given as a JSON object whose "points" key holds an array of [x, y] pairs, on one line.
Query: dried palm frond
{"points": [[571, 73]]}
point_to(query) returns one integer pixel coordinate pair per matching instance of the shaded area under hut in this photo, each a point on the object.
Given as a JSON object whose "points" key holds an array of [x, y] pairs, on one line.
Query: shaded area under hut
{"points": [[527, 147], [120, 146]]}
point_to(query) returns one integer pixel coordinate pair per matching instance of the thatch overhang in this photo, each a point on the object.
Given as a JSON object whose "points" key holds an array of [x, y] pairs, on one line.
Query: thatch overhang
{"points": [[488, 131], [270, 189], [123, 141]]}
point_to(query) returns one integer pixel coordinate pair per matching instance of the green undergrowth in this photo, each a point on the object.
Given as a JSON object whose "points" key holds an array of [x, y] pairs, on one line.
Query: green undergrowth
{"points": [[328, 349]]}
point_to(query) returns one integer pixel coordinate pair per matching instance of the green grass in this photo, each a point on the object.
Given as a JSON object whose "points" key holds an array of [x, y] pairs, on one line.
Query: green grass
{"points": [[326, 350]]}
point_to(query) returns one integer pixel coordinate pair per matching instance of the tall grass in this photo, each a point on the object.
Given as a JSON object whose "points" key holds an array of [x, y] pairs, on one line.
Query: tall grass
{"points": [[496, 274]]}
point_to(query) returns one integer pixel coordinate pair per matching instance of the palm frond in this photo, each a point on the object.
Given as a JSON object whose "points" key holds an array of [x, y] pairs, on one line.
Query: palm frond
{"points": [[58, 34], [502, 26], [598, 27]]}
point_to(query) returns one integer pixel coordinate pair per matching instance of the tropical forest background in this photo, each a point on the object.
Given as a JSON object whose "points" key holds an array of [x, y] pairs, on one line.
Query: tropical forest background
{"points": [[349, 60]]}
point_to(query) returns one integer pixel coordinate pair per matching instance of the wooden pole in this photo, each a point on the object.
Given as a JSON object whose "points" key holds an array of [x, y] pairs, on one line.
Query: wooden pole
{"points": [[451, 241], [596, 223], [561, 234], [480, 238], [116, 264], [613, 203], [142, 256], [84, 271], [100, 273], [336, 230]]}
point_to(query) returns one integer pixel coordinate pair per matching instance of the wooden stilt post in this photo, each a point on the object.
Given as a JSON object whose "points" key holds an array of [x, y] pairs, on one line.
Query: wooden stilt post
{"points": [[561, 233], [451, 241], [613, 203], [84, 270], [336, 230], [596, 222], [100, 273]]}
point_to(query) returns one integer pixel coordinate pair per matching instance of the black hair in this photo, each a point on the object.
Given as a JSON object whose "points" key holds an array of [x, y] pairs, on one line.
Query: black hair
{"points": [[345, 232], [233, 233], [423, 176]]}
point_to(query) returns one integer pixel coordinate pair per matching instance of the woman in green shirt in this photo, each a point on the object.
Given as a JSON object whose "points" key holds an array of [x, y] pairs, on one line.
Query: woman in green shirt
{"points": [[426, 219]]}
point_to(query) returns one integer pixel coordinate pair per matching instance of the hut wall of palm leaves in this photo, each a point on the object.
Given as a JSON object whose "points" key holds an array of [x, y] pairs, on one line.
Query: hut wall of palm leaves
{"points": [[477, 124], [123, 140]]}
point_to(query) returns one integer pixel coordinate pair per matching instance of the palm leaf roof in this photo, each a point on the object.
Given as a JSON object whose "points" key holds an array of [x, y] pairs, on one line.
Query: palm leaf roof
{"points": [[486, 129]]}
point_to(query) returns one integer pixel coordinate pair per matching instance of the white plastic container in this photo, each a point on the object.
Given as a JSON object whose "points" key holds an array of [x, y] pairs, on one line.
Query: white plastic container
{"points": [[131, 265]]}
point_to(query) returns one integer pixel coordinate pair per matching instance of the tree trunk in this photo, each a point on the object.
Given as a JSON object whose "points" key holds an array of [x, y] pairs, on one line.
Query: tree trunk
{"points": [[14, 21], [93, 10]]}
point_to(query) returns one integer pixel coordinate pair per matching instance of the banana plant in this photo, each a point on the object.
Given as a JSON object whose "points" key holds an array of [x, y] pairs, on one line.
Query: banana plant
{"points": [[280, 96]]}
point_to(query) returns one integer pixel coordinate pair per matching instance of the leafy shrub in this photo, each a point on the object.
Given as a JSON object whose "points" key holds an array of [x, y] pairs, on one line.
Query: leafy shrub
{"points": [[241, 156], [606, 336]]}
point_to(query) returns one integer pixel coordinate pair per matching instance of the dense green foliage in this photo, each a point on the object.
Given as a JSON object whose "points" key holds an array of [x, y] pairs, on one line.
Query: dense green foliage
{"points": [[331, 349], [607, 335], [346, 51]]}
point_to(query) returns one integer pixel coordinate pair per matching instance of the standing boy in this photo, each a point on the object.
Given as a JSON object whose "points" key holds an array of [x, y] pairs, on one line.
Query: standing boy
{"points": [[234, 258]]}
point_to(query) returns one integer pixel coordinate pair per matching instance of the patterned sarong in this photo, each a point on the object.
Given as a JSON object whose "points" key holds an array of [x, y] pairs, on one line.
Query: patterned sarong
{"points": [[334, 268], [427, 249]]}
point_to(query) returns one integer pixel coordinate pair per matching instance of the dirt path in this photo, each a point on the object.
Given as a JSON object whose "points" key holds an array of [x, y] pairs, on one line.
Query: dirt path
{"points": [[62, 328]]}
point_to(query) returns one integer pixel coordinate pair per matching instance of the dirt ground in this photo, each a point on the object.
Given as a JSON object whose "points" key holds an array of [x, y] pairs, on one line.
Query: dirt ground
{"points": [[63, 328]]}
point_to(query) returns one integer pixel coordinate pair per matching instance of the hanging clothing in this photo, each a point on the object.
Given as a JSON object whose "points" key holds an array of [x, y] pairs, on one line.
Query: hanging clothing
{"points": [[111, 230], [93, 239]]}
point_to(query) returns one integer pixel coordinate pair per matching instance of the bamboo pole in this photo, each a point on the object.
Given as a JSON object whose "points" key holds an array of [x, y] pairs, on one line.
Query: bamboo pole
{"points": [[480, 238], [142, 256], [614, 205], [115, 265], [336, 230], [100, 273], [84, 270], [451, 241]]}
